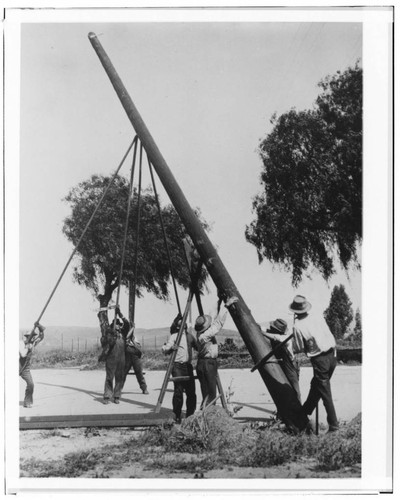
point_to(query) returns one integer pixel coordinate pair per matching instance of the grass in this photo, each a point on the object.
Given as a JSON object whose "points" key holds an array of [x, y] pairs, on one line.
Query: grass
{"points": [[208, 440], [231, 356], [226, 442]]}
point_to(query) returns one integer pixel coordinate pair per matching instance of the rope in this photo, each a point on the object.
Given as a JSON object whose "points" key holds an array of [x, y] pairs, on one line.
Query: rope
{"points": [[125, 234], [164, 235], [137, 235], [86, 228]]}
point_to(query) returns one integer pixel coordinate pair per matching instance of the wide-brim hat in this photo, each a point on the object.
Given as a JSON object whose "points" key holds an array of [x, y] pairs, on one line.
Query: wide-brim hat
{"points": [[202, 323], [277, 326], [176, 327], [300, 305]]}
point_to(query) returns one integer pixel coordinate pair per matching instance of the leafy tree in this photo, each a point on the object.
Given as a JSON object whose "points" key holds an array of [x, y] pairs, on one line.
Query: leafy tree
{"points": [[310, 209], [339, 313], [98, 258], [357, 331]]}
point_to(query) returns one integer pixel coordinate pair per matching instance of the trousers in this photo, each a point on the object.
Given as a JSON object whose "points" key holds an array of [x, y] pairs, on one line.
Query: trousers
{"points": [[292, 371], [207, 374], [25, 374], [115, 364], [134, 361], [188, 387], [323, 366]]}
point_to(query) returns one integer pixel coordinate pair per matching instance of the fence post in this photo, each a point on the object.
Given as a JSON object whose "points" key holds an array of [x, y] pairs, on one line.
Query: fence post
{"points": [[72, 345], [85, 345], [62, 341], [78, 344]]}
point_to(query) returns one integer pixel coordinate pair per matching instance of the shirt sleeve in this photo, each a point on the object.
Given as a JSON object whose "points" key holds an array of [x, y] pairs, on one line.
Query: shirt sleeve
{"points": [[125, 327], [215, 327], [166, 348], [191, 341], [276, 336], [23, 351], [297, 342]]}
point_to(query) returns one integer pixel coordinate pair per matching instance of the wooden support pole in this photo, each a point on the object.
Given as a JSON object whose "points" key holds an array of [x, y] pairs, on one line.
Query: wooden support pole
{"points": [[281, 391], [173, 355]]}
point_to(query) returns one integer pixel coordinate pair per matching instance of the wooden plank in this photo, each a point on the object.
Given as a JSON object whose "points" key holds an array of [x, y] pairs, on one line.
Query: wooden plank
{"points": [[183, 378], [65, 421]]}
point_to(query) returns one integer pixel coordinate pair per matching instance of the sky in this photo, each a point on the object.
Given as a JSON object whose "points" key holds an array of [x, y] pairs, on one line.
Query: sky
{"points": [[206, 92]]}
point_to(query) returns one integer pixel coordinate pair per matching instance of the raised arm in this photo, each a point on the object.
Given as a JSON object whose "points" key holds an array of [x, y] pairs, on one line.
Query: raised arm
{"points": [[170, 345], [218, 322]]}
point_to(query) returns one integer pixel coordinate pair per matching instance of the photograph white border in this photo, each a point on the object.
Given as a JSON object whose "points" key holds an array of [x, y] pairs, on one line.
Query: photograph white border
{"points": [[377, 245]]}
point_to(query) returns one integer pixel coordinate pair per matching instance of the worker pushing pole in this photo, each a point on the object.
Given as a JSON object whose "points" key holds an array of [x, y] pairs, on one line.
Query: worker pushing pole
{"points": [[281, 391]]}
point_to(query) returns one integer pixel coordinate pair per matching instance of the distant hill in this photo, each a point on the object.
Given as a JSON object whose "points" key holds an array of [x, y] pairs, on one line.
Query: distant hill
{"points": [[82, 338]]}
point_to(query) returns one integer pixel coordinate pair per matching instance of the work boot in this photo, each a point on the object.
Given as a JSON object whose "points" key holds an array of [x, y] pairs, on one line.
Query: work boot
{"points": [[145, 391], [106, 401], [27, 405], [116, 401]]}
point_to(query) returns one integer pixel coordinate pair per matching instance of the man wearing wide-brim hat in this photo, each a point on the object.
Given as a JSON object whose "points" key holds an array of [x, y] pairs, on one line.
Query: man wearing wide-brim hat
{"points": [[277, 332], [206, 328], [319, 344], [182, 367], [26, 348]]}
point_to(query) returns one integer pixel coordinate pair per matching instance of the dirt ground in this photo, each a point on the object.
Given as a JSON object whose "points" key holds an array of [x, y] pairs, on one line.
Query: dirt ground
{"points": [[65, 392], [76, 392], [51, 446]]}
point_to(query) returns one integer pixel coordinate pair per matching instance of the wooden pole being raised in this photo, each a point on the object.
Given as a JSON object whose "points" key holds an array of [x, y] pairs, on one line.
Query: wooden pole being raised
{"points": [[282, 393]]}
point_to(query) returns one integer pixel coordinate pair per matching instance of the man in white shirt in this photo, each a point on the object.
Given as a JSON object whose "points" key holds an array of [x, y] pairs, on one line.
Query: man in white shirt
{"points": [[26, 348], [313, 334], [182, 367], [206, 328]]}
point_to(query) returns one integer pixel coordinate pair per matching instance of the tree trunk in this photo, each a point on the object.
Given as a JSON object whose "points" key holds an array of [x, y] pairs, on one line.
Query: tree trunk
{"points": [[131, 301], [104, 300]]}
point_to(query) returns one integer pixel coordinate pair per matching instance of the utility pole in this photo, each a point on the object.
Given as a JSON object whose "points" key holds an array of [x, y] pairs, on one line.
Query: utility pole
{"points": [[259, 347]]}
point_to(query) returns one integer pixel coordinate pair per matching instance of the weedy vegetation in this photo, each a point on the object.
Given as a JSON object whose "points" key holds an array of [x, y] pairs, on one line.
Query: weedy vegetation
{"points": [[209, 439]]}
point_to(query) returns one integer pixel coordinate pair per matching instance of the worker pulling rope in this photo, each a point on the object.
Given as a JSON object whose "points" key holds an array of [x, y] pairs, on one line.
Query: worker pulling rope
{"points": [[83, 234], [109, 333]]}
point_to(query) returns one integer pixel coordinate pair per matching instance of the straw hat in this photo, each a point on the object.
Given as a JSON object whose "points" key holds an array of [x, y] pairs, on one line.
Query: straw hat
{"points": [[277, 326], [300, 305], [202, 323]]}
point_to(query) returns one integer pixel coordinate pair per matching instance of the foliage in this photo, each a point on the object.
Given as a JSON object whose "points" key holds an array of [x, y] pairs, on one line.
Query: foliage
{"points": [[357, 331], [230, 346], [208, 430], [57, 358], [339, 313], [274, 447], [98, 257], [156, 360], [342, 449], [310, 208], [208, 440]]}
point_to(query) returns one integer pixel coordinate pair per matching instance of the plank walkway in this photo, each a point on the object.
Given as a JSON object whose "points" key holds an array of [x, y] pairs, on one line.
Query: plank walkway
{"points": [[99, 420]]}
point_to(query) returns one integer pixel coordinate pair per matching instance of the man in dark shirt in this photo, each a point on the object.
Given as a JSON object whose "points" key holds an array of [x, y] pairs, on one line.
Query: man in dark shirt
{"points": [[133, 353]]}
